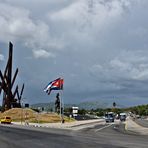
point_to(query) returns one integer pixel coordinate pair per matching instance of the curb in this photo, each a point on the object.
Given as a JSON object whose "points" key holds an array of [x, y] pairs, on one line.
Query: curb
{"points": [[61, 125]]}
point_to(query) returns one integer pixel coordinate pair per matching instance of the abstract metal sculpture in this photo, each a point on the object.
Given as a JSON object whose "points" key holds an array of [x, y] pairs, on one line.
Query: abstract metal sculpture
{"points": [[6, 84]]}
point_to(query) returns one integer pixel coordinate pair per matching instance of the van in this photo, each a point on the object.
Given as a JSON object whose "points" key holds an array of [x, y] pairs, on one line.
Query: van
{"points": [[109, 117], [122, 116]]}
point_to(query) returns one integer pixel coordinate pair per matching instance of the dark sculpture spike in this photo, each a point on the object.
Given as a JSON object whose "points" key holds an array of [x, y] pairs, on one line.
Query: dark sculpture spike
{"points": [[15, 92], [16, 72], [22, 91], [0, 87]]}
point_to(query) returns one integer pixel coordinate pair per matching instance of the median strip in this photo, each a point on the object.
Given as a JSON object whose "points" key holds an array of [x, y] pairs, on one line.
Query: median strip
{"points": [[103, 127]]}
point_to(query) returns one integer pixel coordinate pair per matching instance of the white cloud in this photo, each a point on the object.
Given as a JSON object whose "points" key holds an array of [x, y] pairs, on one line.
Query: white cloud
{"points": [[81, 24], [126, 66], [16, 25], [1, 57], [19, 26], [42, 54], [131, 65], [75, 22], [81, 15]]}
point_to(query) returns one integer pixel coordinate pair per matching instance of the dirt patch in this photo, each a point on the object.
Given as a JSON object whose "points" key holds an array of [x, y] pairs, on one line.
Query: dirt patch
{"points": [[19, 114]]}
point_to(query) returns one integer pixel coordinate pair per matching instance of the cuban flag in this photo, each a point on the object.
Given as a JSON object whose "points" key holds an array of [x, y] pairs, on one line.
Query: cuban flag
{"points": [[54, 85]]}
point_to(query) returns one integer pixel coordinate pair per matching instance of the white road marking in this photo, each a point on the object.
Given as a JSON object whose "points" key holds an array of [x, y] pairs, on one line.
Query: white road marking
{"points": [[103, 127]]}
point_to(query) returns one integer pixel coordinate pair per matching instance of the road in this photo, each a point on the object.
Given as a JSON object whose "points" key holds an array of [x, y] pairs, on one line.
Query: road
{"points": [[100, 136], [143, 122]]}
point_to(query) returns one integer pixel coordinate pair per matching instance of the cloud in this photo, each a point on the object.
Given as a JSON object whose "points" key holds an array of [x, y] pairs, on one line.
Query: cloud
{"points": [[1, 57], [19, 26], [126, 67], [83, 16], [82, 25], [75, 21], [16, 25], [131, 65], [42, 54]]}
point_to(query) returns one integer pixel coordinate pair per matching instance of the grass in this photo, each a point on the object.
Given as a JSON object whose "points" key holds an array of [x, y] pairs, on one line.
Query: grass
{"points": [[19, 114]]}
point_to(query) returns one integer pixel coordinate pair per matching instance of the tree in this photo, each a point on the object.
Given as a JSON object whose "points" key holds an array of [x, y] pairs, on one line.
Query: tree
{"points": [[57, 103], [82, 111], [114, 104]]}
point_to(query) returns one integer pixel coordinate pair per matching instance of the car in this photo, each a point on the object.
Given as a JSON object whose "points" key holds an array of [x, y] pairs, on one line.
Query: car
{"points": [[6, 120], [109, 117], [123, 116]]}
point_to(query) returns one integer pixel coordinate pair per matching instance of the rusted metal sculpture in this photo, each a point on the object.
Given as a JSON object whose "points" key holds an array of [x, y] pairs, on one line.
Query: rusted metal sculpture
{"points": [[10, 99]]}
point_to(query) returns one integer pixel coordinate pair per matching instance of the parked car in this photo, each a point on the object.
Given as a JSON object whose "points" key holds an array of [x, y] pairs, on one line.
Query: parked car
{"points": [[6, 120]]}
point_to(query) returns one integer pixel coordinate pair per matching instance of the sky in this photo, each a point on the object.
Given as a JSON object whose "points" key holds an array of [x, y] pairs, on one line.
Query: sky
{"points": [[99, 47]]}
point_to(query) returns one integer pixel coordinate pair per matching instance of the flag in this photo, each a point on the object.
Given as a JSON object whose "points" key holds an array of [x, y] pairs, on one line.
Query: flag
{"points": [[54, 85]]}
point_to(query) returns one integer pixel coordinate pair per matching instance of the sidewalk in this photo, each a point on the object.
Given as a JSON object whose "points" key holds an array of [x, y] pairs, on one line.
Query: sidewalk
{"points": [[68, 125], [134, 127]]}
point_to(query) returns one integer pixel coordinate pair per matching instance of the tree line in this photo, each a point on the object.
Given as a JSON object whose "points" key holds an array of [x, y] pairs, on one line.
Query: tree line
{"points": [[141, 110]]}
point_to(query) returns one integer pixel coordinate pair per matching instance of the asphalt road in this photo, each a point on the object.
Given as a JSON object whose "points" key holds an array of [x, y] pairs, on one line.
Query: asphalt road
{"points": [[142, 122], [99, 136]]}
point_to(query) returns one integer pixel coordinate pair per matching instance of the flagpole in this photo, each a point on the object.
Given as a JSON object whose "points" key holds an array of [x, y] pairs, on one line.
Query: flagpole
{"points": [[62, 107], [61, 103]]}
